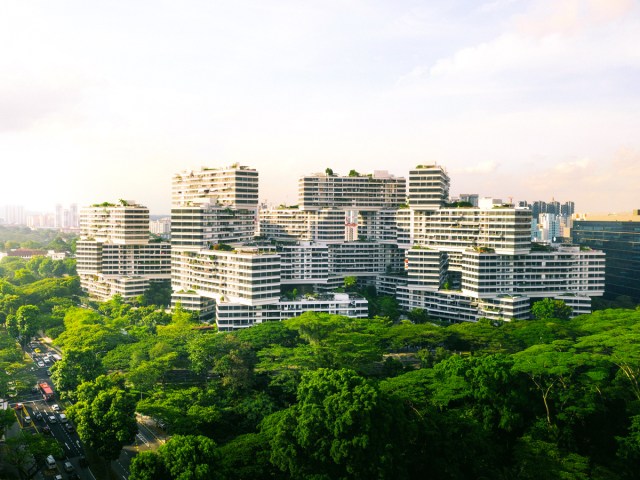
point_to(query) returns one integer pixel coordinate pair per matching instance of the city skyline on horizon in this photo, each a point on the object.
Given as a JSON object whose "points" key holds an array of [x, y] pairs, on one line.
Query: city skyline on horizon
{"points": [[50, 209], [522, 100]]}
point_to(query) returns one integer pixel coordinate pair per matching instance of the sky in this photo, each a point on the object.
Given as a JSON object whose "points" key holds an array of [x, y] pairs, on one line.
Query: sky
{"points": [[522, 100]]}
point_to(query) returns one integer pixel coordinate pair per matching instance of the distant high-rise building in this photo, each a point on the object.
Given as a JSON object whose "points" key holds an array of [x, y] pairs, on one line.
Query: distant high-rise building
{"points": [[471, 198], [161, 227], [551, 221], [14, 215], [66, 219], [618, 235]]}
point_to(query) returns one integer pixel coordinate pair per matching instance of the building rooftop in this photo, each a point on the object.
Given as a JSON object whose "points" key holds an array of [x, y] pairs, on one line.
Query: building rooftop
{"points": [[633, 216]]}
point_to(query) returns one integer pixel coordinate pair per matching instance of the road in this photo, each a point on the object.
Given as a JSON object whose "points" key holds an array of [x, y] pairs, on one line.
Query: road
{"points": [[39, 416], [36, 415]]}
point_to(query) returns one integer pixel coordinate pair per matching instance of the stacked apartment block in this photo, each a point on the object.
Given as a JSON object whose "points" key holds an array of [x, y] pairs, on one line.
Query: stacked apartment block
{"points": [[465, 263], [115, 255], [218, 268], [460, 263], [232, 261]]}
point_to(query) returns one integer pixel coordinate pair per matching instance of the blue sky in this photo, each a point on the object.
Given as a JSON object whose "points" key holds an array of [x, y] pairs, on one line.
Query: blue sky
{"points": [[524, 99]]}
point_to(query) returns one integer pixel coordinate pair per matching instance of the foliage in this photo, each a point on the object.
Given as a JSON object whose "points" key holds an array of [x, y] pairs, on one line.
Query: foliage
{"points": [[342, 426], [183, 457], [248, 456], [549, 308], [350, 282], [23, 448], [14, 237], [326, 396], [105, 415], [158, 293]]}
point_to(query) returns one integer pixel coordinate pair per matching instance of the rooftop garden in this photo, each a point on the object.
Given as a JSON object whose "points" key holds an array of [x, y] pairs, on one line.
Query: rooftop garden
{"points": [[459, 204], [541, 247]]}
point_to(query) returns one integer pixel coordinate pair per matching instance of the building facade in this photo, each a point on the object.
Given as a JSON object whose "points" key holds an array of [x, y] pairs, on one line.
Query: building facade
{"points": [[460, 262], [467, 262], [114, 253], [618, 235], [242, 265], [219, 270]]}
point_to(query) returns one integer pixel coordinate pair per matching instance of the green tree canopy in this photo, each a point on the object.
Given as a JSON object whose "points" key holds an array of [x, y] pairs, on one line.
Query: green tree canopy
{"points": [[183, 457], [105, 415], [550, 308], [341, 427]]}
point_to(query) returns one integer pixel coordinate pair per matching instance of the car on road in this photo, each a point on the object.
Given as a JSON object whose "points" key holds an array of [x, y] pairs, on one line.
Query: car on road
{"points": [[68, 467], [46, 430], [38, 415], [55, 407], [70, 428], [41, 364], [52, 419], [48, 373], [27, 419], [63, 418], [18, 406], [83, 462], [37, 350]]}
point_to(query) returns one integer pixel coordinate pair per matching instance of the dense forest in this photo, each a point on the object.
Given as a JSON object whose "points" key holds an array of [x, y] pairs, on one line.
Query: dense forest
{"points": [[328, 397]]}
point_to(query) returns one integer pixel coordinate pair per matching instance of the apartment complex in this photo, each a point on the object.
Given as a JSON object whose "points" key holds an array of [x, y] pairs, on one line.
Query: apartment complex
{"points": [[618, 235], [232, 261], [115, 255], [464, 263], [458, 263], [218, 268]]}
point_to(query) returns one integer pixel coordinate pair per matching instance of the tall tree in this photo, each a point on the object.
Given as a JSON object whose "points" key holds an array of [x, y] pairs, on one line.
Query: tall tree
{"points": [[76, 366], [25, 450], [549, 308], [105, 415], [27, 322], [341, 427], [183, 457]]}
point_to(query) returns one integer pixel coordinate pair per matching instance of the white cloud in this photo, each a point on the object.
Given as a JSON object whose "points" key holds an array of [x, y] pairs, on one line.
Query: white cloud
{"points": [[575, 38], [572, 167], [571, 16], [495, 93], [479, 168]]}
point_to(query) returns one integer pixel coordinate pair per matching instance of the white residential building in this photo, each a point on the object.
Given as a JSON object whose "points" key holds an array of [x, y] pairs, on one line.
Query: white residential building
{"points": [[460, 263], [213, 218], [161, 227], [114, 254], [353, 192], [471, 262]]}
